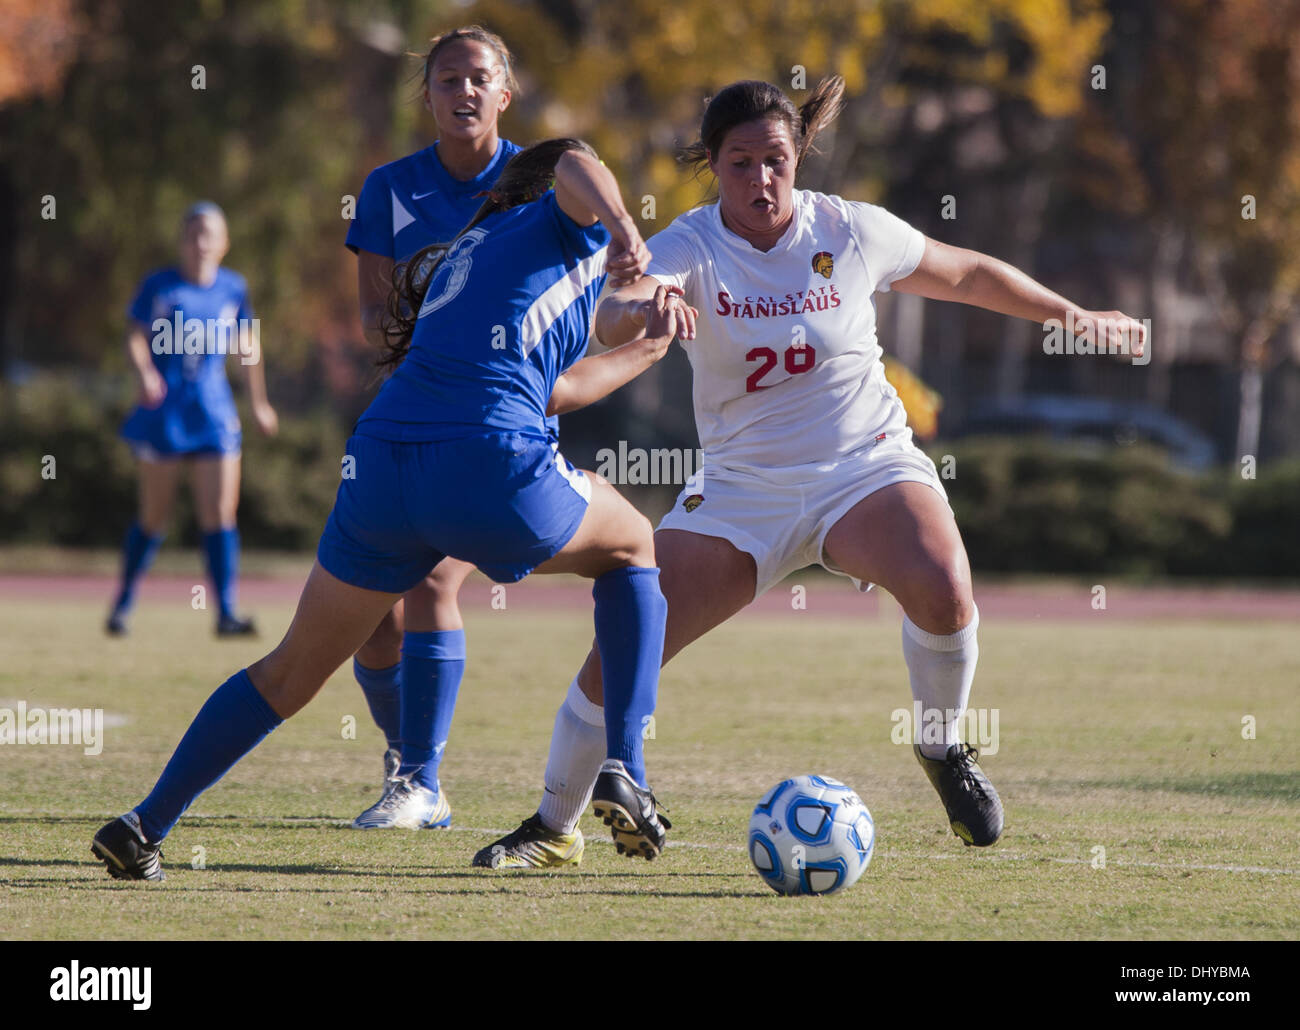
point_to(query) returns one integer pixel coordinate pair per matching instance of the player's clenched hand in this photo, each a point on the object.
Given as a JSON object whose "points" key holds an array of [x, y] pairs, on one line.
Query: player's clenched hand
{"points": [[627, 257], [1113, 332], [153, 389], [667, 315]]}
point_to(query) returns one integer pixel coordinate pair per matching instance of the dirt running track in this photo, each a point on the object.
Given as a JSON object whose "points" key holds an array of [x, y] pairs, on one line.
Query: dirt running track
{"points": [[1052, 601]]}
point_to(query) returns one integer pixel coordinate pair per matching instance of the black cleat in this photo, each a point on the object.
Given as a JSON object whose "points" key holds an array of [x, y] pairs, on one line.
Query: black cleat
{"points": [[122, 847], [233, 626], [115, 626], [630, 812], [974, 808]]}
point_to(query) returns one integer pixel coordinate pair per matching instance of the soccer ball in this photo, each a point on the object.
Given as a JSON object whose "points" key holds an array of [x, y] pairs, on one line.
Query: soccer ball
{"points": [[810, 835]]}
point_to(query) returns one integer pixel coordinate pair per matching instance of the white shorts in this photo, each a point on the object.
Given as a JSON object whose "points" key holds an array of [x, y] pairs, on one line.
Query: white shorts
{"points": [[781, 517]]}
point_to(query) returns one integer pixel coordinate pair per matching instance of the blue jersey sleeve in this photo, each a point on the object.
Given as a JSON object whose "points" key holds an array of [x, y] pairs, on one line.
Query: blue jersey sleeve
{"points": [[585, 240], [141, 307], [239, 288], [372, 228]]}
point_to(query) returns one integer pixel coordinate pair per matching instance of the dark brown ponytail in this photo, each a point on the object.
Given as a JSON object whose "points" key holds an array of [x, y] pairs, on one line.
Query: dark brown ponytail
{"points": [[750, 100], [526, 177]]}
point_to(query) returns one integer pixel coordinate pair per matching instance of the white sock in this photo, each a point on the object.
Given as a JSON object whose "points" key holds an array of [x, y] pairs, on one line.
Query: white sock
{"points": [[577, 751], [941, 669]]}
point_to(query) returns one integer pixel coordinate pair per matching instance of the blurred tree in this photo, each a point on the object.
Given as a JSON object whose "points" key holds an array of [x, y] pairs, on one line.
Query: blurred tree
{"points": [[37, 41], [241, 102], [1201, 136]]}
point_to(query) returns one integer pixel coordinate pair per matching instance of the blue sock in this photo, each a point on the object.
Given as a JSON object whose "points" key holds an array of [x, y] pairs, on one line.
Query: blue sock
{"points": [[137, 555], [222, 550], [233, 721], [432, 666], [630, 616], [383, 690]]}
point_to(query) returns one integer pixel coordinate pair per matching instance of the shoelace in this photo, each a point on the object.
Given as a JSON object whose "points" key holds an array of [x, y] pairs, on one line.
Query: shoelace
{"points": [[963, 761], [400, 791]]}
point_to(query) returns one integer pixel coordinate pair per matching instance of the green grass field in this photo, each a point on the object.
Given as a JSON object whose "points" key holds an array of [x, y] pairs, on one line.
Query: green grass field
{"points": [[1126, 737]]}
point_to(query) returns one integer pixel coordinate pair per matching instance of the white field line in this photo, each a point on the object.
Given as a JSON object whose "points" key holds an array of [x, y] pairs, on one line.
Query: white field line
{"points": [[996, 856]]}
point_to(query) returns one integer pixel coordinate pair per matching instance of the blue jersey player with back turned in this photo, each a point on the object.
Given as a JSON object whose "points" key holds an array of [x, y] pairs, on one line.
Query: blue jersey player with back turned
{"points": [[454, 458], [411, 667]]}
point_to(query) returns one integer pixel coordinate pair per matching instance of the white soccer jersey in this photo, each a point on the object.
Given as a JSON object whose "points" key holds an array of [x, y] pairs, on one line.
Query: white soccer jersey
{"points": [[787, 370]]}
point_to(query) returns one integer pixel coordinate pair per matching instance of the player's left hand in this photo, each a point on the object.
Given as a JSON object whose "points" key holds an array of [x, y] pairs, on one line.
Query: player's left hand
{"points": [[268, 422], [627, 257]]}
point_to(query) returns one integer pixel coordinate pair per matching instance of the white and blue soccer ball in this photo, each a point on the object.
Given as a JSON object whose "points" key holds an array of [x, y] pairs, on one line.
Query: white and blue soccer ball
{"points": [[811, 835]]}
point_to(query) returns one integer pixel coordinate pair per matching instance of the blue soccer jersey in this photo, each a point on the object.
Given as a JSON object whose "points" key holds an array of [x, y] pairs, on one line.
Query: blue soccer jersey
{"points": [[508, 310], [454, 457], [191, 331], [413, 202]]}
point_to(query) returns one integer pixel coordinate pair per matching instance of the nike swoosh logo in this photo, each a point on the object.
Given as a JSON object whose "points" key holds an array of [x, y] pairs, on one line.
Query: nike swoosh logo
{"points": [[421, 196]]}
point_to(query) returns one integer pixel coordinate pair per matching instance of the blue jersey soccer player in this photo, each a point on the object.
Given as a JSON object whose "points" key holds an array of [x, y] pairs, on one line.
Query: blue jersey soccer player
{"points": [[411, 679], [185, 322], [464, 417]]}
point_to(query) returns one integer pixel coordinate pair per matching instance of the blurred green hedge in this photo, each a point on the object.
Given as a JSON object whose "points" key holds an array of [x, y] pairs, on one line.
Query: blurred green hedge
{"points": [[1023, 505], [1033, 506], [288, 483]]}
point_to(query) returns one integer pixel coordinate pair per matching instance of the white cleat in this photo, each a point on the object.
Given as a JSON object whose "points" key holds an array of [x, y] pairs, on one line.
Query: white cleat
{"points": [[405, 806]]}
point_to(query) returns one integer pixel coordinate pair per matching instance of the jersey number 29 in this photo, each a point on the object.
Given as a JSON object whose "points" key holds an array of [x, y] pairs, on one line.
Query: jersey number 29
{"points": [[797, 359]]}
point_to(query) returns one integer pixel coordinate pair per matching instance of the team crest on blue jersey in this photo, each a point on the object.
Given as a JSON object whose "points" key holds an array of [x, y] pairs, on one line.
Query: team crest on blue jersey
{"points": [[693, 502], [452, 273], [824, 263]]}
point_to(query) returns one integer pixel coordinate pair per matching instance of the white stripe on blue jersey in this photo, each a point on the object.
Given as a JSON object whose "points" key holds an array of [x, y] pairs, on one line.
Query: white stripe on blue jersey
{"points": [[544, 311]]}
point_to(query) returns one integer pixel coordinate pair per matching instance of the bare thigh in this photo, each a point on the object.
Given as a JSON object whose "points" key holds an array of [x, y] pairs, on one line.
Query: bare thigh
{"points": [[332, 621], [157, 491], [705, 581], [612, 535], [433, 605], [216, 491], [905, 539]]}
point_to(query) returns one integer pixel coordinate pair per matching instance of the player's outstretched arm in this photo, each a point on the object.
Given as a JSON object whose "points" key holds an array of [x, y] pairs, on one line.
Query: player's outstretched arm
{"points": [[663, 316], [588, 192], [967, 276]]}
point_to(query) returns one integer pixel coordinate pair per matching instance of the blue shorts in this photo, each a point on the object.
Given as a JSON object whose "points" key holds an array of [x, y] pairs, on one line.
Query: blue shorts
{"points": [[502, 501], [183, 431]]}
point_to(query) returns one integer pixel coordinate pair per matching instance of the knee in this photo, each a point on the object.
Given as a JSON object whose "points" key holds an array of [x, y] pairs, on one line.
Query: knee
{"points": [[940, 599], [642, 549]]}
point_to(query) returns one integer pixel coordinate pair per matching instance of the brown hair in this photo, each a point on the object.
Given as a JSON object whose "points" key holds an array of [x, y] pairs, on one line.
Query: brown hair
{"points": [[475, 34], [526, 177], [750, 100]]}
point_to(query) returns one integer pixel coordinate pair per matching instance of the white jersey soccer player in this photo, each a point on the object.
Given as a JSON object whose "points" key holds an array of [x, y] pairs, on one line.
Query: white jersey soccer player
{"points": [[795, 417], [807, 456]]}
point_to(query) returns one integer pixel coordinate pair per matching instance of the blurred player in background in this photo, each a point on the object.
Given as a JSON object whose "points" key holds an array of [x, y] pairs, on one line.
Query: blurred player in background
{"points": [[411, 679], [807, 456], [185, 322], [464, 417]]}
